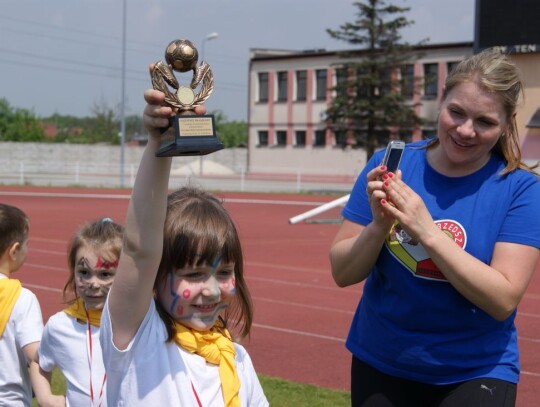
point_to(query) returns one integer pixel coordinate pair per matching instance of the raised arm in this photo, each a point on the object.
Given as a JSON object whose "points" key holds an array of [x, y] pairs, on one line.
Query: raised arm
{"points": [[131, 292]]}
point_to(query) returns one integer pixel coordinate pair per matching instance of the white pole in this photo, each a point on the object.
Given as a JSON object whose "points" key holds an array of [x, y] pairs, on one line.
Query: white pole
{"points": [[123, 98], [211, 36], [319, 209], [21, 173]]}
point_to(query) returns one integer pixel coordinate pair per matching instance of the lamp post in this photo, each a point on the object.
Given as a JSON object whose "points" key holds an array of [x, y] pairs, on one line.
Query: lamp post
{"points": [[123, 103], [211, 36]]}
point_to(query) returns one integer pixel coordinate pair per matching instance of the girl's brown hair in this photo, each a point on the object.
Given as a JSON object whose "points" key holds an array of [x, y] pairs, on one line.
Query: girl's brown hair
{"points": [[197, 231], [101, 235]]}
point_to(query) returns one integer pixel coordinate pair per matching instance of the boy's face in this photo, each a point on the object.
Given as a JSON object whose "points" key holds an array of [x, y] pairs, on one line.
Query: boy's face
{"points": [[94, 275]]}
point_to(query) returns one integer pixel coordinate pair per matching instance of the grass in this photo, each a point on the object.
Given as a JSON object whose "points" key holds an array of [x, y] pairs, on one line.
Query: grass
{"points": [[280, 393]]}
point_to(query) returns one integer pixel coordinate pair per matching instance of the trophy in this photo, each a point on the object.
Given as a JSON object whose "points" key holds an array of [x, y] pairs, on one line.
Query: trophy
{"points": [[188, 133]]}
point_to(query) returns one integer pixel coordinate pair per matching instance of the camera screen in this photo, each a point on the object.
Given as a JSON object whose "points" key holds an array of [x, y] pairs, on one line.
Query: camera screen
{"points": [[393, 159]]}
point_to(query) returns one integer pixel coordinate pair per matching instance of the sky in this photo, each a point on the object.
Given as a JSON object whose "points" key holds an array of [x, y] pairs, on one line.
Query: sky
{"points": [[65, 56]]}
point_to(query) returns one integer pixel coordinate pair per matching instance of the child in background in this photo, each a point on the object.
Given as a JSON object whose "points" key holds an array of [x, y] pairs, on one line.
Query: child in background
{"points": [[71, 337], [21, 323], [179, 288]]}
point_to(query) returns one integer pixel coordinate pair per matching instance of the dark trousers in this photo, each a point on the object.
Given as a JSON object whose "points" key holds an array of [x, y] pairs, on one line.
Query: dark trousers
{"points": [[372, 388]]}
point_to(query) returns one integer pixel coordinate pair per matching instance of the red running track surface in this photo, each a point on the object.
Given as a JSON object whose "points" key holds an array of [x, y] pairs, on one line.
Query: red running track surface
{"points": [[301, 317]]}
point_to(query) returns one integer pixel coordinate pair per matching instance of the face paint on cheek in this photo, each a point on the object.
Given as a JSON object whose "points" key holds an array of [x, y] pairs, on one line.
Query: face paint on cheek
{"points": [[186, 294], [229, 288], [179, 312]]}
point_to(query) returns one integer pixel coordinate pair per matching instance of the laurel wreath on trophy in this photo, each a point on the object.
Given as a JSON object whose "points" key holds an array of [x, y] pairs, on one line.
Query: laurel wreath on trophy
{"points": [[163, 74]]}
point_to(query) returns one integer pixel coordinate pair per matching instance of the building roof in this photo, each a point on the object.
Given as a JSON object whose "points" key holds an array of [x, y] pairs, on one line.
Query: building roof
{"points": [[259, 54]]}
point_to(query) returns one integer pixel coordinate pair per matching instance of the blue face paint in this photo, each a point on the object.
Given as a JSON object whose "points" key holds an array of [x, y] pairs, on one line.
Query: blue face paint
{"points": [[173, 293], [215, 263]]}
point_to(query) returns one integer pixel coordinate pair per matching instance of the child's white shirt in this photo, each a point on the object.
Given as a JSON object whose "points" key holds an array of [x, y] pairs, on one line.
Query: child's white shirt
{"points": [[25, 326], [65, 345], [152, 372]]}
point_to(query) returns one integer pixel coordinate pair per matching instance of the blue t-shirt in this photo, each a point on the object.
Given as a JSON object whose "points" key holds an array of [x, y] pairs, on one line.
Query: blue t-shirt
{"points": [[411, 322]]}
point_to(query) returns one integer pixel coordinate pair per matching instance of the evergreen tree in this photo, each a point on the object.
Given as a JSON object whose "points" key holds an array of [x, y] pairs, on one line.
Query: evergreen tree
{"points": [[371, 101]]}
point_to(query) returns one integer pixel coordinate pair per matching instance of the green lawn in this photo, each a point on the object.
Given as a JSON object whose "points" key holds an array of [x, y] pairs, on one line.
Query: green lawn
{"points": [[280, 393]]}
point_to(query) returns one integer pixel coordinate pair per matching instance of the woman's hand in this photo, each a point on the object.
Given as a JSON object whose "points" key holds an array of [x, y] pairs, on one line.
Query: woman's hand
{"points": [[376, 194], [405, 205]]}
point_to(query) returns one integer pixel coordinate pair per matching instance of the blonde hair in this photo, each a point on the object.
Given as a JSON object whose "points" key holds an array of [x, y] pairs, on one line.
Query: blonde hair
{"points": [[495, 73]]}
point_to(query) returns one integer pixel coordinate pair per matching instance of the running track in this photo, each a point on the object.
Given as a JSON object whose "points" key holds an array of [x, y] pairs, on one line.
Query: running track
{"points": [[301, 316]]}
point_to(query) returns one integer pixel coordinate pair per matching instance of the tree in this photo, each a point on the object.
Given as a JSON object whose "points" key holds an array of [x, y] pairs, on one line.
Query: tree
{"points": [[18, 124], [369, 103], [231, 134], [105, 125]]}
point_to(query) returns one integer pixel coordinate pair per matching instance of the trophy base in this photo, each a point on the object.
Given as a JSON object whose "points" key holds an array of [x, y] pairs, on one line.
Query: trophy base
{"points": [[189, 135], [184, 147]]}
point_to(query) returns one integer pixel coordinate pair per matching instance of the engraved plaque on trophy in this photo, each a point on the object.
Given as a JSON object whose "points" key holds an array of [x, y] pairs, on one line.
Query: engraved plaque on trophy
{"points": [[188, 133]]}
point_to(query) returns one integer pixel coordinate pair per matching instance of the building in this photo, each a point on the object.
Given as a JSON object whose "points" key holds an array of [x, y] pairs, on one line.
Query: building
{"points": [[289, 92]]}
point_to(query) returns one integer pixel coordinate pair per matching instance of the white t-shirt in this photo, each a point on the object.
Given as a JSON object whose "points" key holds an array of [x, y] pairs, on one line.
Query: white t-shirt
{"points": [[65, 344], [25, 326], [152, 372]]}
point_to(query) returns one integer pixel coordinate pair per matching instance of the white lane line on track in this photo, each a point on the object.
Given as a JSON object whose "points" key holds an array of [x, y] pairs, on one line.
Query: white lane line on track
{"points": [[527, 339], [41, 266], [118, 196], [303, 285], [48, 240], [524, 372], [42, 287], [302, 333], [528, 314], [47, 251], [297, 304], [285, 267]]}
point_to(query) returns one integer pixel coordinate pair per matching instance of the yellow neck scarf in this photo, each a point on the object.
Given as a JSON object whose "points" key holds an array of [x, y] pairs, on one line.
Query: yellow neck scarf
{"points": [[77, 310], [217, 349], [10, 289]]}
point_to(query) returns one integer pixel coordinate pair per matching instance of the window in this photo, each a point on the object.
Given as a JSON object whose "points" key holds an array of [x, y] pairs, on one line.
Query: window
{"points": [[263, 86], [282, 86], [263, 138], [320, 138], [281, 137], [407, 81], [341, 82], [341, 138], [451, 65], [300, 136], [430, 80], [301, 82], [320, 85]]}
